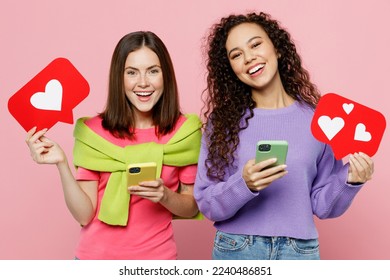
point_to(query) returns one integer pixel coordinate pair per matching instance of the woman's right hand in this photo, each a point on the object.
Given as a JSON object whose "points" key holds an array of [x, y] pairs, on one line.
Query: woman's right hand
{"points": [[258, 177], [80, 196], [42, 149]]}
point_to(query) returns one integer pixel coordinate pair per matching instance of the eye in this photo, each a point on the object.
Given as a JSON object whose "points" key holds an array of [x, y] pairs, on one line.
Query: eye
{"points": [[131, 72], [256, 44], [235, 55], [154, 71]]}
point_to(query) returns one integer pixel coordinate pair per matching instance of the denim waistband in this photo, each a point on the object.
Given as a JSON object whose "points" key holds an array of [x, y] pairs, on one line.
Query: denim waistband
{"points": [[269, 239]]}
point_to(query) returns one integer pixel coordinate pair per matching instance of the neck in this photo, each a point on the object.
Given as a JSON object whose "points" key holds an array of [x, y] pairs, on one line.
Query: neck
{"points": [[143, 120], [272, 98]]}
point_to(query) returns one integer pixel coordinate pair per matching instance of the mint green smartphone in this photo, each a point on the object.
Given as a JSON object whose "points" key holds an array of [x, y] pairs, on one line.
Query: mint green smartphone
{"points": [[266, 149]]}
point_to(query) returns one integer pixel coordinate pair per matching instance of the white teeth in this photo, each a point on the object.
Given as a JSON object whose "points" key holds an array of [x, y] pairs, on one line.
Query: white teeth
{"points": [[255, 69], [143, 93]]}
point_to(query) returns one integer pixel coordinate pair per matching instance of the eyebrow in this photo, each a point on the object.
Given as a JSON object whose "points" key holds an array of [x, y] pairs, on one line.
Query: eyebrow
{"points": [[150, 67], [250, 40]]}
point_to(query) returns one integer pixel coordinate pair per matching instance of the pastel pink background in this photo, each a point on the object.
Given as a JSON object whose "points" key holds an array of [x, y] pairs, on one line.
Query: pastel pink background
{"points": [[344, 44]]}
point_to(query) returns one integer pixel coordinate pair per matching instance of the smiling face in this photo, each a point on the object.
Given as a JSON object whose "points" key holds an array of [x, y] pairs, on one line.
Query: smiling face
{"points": [[253, 57], [143, 81]]}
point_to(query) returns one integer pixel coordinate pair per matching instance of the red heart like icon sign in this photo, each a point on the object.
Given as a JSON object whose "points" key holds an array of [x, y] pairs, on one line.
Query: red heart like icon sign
{"points": [[347, 126], [50, 96]]}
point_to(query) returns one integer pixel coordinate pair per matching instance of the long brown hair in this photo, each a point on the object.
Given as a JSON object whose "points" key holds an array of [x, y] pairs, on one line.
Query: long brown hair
{"points": [[118, 116], [227, 100]]}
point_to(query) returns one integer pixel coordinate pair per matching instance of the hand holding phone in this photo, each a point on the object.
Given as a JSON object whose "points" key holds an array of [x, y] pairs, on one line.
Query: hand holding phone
{"points": [[267, 149]]}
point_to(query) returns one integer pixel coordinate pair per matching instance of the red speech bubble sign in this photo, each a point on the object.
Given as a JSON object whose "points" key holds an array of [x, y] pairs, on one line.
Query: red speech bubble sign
{"points": [[50, 96], [347, 126]]}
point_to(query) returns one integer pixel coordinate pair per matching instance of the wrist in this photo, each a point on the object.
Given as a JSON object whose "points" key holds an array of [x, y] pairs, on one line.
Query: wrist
{"points": [[165, 195], [62, 163]]}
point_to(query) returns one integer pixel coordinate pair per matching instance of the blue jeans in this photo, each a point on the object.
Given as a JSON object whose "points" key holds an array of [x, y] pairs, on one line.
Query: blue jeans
{"points": [[253, 247]]}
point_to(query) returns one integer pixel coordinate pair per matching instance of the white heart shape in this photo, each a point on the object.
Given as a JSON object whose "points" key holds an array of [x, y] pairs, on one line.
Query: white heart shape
{"points": [[50, 99], [348, 107], [361, 134], [330, 126]]}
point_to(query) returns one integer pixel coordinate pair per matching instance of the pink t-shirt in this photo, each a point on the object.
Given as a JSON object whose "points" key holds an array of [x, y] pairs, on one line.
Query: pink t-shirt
{"points": [[149, 233]]}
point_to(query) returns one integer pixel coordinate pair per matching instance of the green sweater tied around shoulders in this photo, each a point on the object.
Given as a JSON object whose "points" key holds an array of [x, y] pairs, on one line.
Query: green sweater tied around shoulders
{"points": [[93, 152]]}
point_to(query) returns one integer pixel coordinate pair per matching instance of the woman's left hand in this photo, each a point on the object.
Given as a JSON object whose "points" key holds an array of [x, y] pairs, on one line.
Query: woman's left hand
{"points": [[361, 168], [151, 190]]}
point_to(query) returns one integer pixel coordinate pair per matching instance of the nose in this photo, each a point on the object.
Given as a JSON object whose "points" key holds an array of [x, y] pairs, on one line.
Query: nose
{"points": [[249, 57], [143, 80]]}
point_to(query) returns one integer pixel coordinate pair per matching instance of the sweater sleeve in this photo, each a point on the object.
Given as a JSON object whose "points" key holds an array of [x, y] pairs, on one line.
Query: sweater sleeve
{"points": [[219, 200], [331, 195]]}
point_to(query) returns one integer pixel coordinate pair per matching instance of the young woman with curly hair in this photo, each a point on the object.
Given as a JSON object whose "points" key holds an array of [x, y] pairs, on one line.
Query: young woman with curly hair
{"points": [[257, 89]]}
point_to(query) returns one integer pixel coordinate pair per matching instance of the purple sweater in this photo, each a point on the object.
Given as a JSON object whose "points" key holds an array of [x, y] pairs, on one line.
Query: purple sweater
{"points": [[315, 183]]}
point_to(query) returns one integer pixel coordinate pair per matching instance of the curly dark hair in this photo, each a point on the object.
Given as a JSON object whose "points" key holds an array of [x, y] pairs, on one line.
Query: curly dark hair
{"points": [[227, 99]]}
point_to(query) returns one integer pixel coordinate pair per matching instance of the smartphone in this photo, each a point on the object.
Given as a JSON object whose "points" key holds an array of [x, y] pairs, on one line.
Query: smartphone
{"points": [[138, 172], [266, 149]]}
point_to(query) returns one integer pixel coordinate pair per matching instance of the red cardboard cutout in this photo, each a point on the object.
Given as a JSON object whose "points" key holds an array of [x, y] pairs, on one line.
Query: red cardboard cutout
{"points": [[347, 126], [50, 96]]}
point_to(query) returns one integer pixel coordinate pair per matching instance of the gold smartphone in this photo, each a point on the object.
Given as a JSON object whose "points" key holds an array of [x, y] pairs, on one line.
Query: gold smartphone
{"points": [[139, 172]]}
